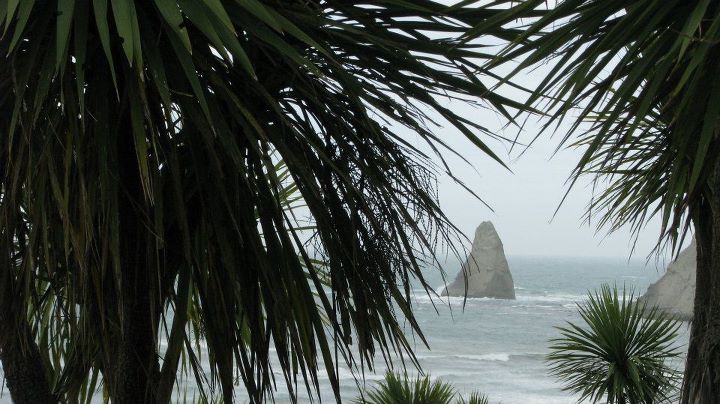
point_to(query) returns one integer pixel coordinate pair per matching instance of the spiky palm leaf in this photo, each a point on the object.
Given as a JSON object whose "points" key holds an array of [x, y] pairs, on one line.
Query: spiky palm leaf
{"points": [[137, 144], [619, 353], [400, 389], [474, 398]]}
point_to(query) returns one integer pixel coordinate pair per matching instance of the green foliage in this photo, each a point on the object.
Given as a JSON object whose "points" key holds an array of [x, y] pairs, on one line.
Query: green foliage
{"points": [[474, 398], [140, 191], [619, 353], [400, 389], [638, 83]]}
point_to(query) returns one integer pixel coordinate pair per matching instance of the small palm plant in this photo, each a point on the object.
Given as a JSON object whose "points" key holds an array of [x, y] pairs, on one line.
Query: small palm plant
{"points": [[399, 389], [621, 353], [475, 398]]}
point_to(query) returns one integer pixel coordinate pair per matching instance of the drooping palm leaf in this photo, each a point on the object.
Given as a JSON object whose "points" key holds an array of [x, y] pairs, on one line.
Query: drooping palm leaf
{"points": [[636, 80], [138, 143]]}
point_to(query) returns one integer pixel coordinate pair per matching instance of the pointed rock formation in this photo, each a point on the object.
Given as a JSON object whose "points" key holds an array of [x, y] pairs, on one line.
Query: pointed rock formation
{"points": [[486, 272], [674, 293]]}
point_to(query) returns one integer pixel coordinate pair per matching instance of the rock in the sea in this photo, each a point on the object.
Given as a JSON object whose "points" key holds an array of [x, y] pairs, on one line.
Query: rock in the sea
{"points": [[674, 293], [486, 272]]}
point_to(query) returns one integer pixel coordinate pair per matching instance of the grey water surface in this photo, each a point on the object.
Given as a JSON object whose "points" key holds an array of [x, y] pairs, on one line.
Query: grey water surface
{"points": [[496, 347]]}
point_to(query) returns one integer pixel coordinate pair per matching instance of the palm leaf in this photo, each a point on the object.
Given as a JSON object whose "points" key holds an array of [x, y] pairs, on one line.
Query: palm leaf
{"points": [[636, 83], [139, 152], [619, 353]]}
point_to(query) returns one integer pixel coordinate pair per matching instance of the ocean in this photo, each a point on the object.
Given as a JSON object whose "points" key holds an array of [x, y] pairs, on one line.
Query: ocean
{"points": [[497, 347]]}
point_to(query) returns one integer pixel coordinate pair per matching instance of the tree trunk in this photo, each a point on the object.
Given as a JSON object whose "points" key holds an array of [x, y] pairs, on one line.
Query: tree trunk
{"points": [[701, 384], [22, 366], [133, 367], [20, 356]]}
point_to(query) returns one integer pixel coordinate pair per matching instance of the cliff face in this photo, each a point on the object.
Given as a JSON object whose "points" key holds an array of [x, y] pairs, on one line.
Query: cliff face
{"points": [[486, 272], [674, 293]]}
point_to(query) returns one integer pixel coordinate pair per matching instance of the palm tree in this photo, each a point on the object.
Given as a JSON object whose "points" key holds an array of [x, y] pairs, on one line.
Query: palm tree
{"points": [[619, 353], [401, 389], [140, 201], [639, 83]]}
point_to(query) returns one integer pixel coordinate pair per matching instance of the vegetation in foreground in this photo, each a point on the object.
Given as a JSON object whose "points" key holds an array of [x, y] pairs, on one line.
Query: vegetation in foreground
{"points": [[137, 174], [141, 209], [620, 352], [396, 388]]}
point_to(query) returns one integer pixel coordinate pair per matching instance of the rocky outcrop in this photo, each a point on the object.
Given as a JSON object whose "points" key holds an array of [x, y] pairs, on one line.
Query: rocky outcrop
{"points": [[485, 272], [674, 293]]}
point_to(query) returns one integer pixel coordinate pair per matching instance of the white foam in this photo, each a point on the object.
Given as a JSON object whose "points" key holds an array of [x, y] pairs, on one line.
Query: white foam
{"points": [[452, 300], [554, 298], [422, 297], [541, 306], [491, 357]]}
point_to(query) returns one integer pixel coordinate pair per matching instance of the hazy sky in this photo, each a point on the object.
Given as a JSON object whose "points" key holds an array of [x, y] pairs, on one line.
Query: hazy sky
{"points": [[525, 199]]}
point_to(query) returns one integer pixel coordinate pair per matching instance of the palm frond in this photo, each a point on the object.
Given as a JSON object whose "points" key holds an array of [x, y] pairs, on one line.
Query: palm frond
{"points": [[619, 353], [636, 81], [474, 398], [139, 151], [400, 389]]}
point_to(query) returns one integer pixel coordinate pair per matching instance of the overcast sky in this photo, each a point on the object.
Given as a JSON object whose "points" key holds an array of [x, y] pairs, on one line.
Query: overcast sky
{"points": [[525, 199]]}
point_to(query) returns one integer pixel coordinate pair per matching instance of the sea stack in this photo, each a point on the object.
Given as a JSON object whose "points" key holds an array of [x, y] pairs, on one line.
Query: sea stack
{"points": [[674, 293], [485, 272]]}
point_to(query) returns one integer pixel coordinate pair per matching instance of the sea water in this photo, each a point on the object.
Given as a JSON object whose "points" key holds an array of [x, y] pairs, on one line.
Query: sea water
{"points": [[496, 347]]}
